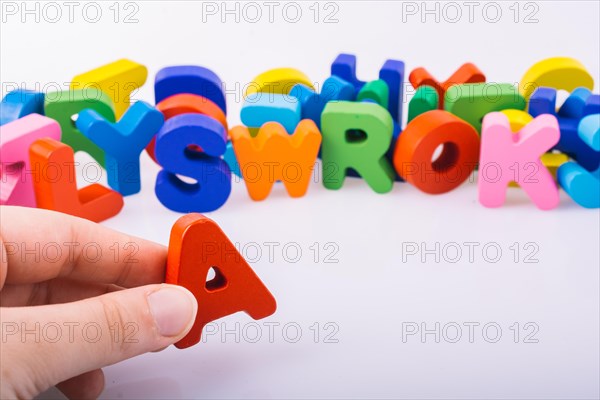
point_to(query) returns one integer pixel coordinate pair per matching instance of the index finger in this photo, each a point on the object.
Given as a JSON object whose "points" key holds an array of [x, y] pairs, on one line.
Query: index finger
{"points": [[40, 245]]}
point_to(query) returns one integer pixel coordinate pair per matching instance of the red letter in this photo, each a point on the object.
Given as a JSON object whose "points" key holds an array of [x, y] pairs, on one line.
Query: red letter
{"points": [[235, 286], [417, 145], [56, 187]]}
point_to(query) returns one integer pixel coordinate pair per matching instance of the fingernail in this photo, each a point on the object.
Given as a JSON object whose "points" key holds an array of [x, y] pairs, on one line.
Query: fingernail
{"points": [[173, 309]]}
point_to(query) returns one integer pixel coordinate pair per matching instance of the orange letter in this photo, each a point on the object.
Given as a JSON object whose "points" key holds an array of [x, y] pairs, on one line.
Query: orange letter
{"points": [[277, 156], [198, 245], [56, 184], [467, 73]]}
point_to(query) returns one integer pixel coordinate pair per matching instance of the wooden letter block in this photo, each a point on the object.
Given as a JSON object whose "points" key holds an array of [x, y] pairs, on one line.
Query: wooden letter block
{"points": [[276, 155], [196, 246]]}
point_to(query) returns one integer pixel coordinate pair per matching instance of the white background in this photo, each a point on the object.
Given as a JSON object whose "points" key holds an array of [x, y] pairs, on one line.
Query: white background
{"points": [[370, 292]]}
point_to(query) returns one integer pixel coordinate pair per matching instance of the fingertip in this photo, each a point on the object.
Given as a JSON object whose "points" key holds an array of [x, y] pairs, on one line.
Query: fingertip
{"points": [[174, 310]]}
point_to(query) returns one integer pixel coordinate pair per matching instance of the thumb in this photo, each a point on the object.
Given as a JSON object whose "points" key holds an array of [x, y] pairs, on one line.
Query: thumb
{"points": [[45, 345]]}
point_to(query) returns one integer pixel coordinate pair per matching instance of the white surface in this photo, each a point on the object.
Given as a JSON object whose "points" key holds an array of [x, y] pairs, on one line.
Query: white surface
{"points": [[370, 292]]}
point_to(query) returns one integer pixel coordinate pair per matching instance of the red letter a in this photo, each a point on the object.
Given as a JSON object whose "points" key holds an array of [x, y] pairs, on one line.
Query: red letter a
{"points": [[197, 244]]}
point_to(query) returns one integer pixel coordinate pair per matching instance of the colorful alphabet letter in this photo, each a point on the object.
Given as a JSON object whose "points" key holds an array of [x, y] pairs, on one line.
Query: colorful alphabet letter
{"points": [[425, 99], [65, 106], [583, 186], [392, 73], [376, 91], [313, 103], [118, 80], [260, 108], [196, 246], [517, 120], [277, 156], [467, 73], [559, 73], [186, 103], [16, 173], [505, 158], [122, 142], [472, 101], [277, 81], [581, 102], [192, 80], [19, 103], [192, 145], [56, 185], [357, 136], [418, 142]]}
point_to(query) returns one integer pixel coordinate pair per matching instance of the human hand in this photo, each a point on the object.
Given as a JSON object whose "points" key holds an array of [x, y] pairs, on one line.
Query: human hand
{"points": [[75, 297]]}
